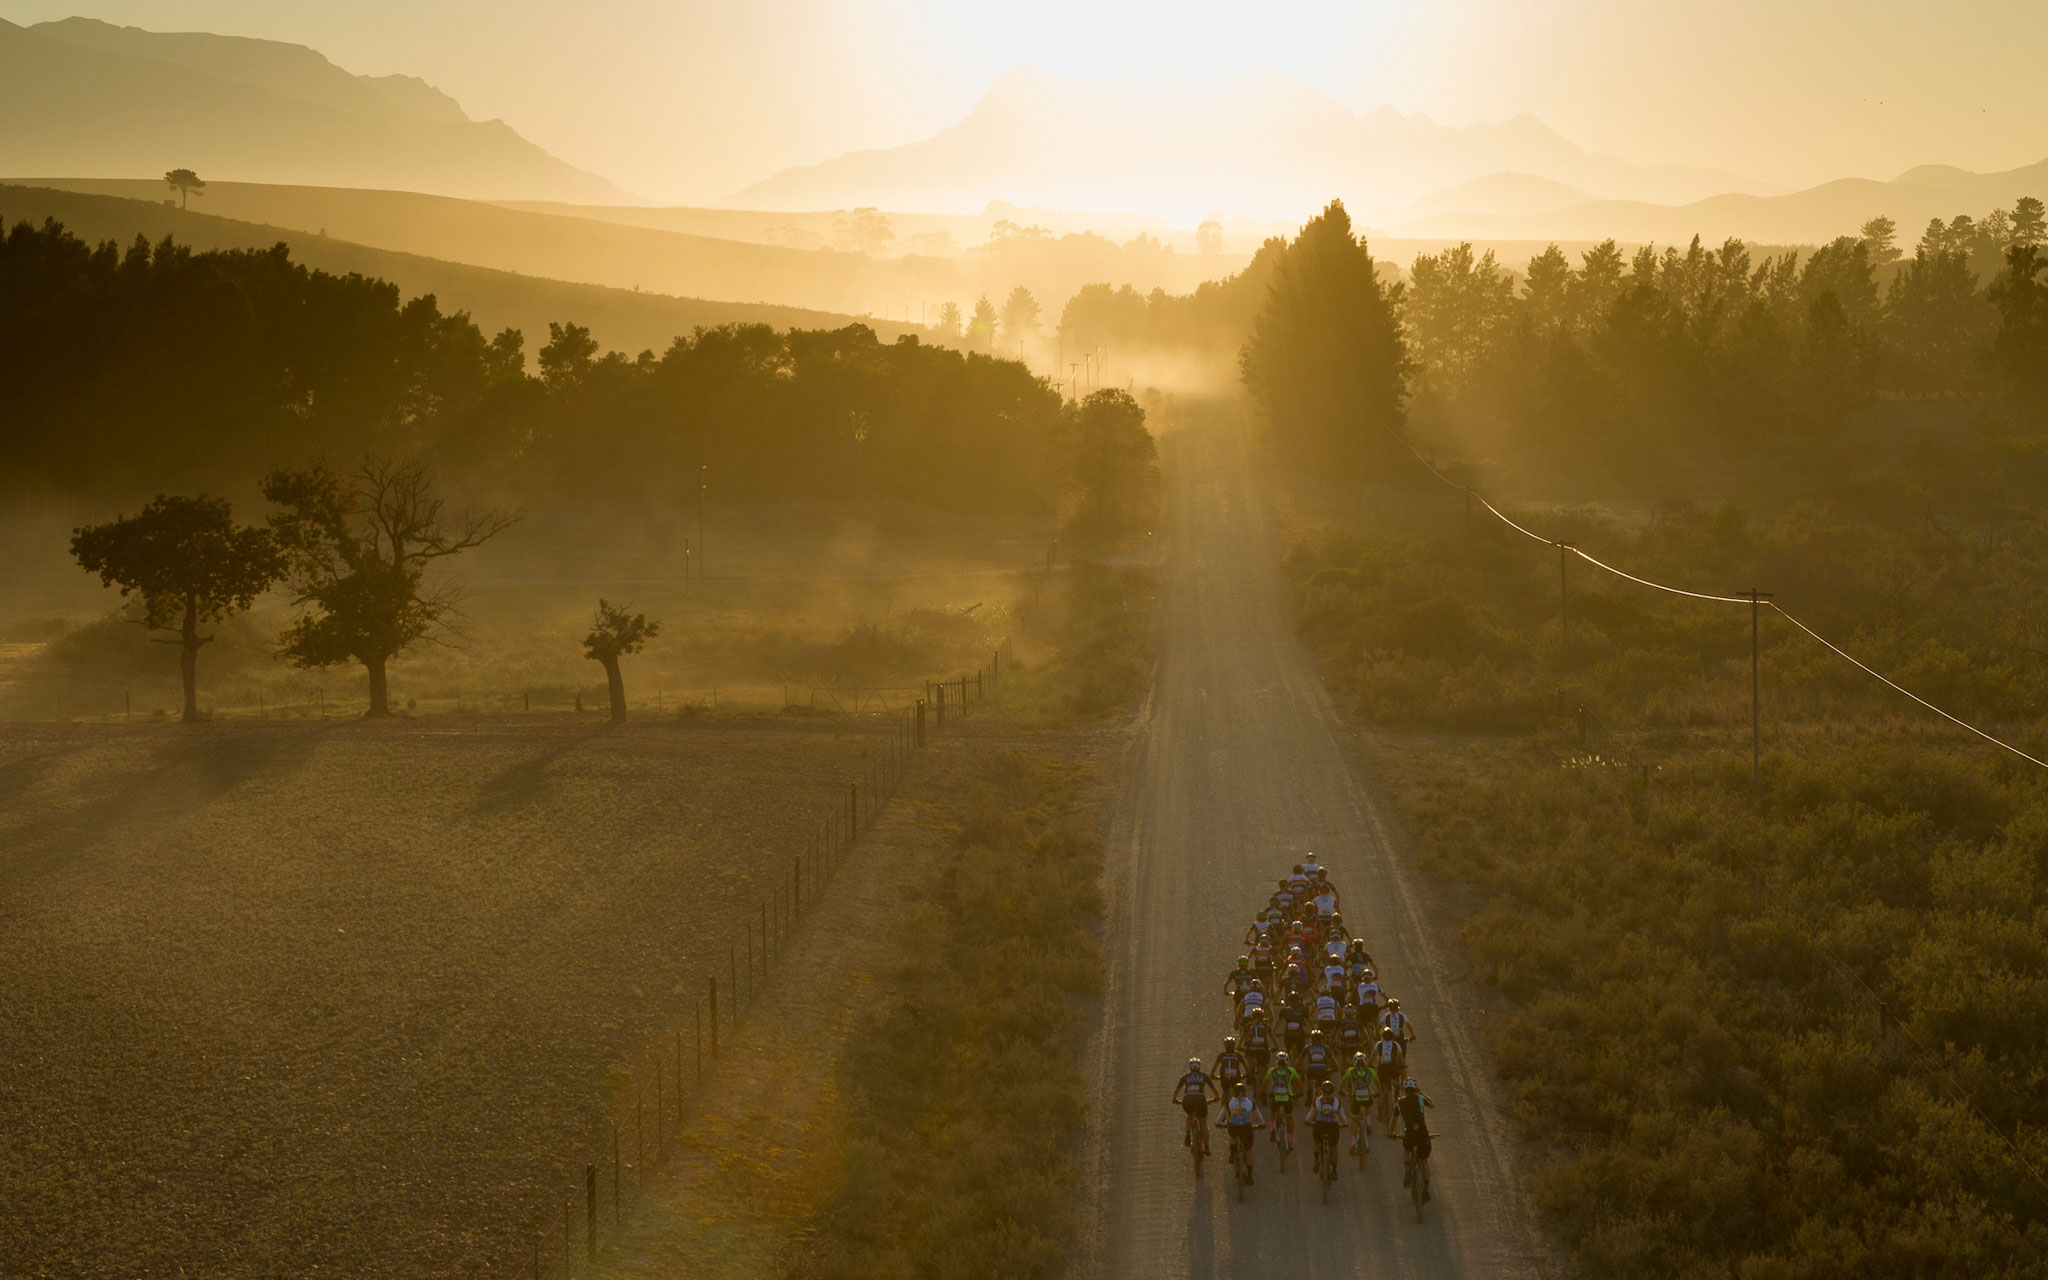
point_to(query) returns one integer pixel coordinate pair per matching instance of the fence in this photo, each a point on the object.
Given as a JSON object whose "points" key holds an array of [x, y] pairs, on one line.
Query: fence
{"points": [[671, 1072]]}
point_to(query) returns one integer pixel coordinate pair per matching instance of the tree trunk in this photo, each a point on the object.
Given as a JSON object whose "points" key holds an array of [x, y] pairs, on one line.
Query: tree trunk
{"points": [[380, 695], [617, 683], [188, 659]]}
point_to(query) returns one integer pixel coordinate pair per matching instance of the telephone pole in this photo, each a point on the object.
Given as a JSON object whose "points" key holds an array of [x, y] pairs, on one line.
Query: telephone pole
{"points": [[1756, 786]]}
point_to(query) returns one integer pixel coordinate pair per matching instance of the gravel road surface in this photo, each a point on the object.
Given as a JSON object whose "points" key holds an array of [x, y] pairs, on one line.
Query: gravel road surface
{"points": [[1236, 771]]}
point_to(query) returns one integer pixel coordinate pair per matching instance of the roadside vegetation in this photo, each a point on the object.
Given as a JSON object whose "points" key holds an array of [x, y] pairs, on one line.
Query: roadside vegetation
{"points": [[962, 1084], [1771, 1034]]}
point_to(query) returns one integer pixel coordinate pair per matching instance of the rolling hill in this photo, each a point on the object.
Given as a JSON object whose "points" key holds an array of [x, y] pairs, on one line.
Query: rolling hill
{"points": [[81, 96], [621, 319], [1812, 216]]}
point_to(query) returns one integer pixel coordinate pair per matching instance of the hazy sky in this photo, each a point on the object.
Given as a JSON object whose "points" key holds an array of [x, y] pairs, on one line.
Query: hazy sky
{"points": [[690, 100]]}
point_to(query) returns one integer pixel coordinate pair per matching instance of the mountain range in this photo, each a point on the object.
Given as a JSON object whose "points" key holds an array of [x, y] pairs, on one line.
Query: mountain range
{"points": [[85, 97], [1812, 216], [1261, 145]]}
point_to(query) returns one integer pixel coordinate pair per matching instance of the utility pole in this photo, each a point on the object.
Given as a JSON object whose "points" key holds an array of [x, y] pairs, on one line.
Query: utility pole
{"points": [[1756, 785], [703, 482], [1564, 612]]}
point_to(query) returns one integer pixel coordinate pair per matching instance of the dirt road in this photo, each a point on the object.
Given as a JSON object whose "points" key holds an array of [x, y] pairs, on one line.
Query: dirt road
{"points": [[1236, 772]]}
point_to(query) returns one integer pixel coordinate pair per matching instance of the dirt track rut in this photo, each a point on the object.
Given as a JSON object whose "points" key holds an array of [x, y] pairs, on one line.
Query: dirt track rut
{"points": [[1236, 771]]}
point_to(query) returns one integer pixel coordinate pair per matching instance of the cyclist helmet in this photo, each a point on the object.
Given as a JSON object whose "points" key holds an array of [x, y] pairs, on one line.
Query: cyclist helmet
{"points": [[1386, 1033], [1244, 962], [1315, 1037], [1409, 1086], [1367, 976], [1230, 1044], [1237, 1086], [1393, 1002], [1258, 1012], [1359, 1058], [1280, 1058], [1194, 1064], [1258, 984], [1329, 1086]]}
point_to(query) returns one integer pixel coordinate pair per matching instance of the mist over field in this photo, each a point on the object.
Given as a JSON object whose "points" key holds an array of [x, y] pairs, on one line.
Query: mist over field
{"points": [[825, 640]]}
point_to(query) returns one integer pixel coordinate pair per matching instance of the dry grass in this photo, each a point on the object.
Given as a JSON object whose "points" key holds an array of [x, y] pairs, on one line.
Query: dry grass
{"points": [[295, 998]]}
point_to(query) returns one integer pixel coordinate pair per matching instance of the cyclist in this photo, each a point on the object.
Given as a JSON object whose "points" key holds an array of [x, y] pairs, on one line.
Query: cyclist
{"points": [[1283, 1086], [1389, 1061], [1254, 997], [1194, 1091], [1293, 1023], [1326, 1014], [1411, 1126], [1241, 1119], [1300, 883], [1262, 956], [1397, 1022], [1313, 868], [1357, 956], [1326, 900], [1350, 1033], [1316, 1061], [1258, 1046], [1240, 979], [1335, 977], [1230, 1066], [1285, 899], [1360, 1089], [1326, 1117], [1369, 996], [1334, 948]]}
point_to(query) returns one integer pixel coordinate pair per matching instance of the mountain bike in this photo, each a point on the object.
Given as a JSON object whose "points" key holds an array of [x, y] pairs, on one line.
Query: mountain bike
{"points": [[1283, 1140], [1241, 1162], [1326, 1163], [1418, 1193]]}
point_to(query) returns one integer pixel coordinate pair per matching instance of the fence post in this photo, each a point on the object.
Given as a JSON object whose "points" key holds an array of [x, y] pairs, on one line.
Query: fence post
{"points": [[920, 722], [590, 1210], [980, 695], [714, 1032], [941, 707]]}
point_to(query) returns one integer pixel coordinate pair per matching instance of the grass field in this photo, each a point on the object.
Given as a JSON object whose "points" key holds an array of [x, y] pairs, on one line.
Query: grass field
{"points": [[296, 998], [799, 596]]}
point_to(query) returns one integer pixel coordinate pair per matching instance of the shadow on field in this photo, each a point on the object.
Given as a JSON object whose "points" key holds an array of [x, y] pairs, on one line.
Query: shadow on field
{"points": [[179, 777], [522, 785]]}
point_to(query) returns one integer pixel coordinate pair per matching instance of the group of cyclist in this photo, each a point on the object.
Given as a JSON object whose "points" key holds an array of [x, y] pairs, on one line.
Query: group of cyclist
{"points": [[1314, 1029]]}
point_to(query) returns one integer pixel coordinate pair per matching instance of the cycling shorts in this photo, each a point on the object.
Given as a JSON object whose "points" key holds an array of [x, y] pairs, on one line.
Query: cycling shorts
{"points": [[1196, 1107], [1244, 1133], [1417, 1144]]}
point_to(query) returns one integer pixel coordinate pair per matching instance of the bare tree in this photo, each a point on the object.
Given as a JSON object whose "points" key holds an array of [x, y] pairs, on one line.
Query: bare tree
{"points": [[357, 550], [614, 633]]}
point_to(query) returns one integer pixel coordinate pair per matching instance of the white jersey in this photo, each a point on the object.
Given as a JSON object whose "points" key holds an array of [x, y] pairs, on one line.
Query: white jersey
{"points": [[1397, 1022], [1240, 1110], [1326, 1008], [1252, 1000], [1334, 977], [1369, 994], [1326, 903]]}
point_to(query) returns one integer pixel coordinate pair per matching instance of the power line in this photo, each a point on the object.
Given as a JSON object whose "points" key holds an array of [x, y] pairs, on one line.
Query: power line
{"points": [[1832, 647]]}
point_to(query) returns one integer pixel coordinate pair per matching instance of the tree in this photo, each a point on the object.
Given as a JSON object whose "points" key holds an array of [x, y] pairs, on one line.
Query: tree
{"points": [[357, 550], [1020, 317], [1881, 234], [569, 356], [2029, 221], [190, 563], [1209, 238], [950, 323], [2020, 350], [185, 183], [864, 230], [981, 327], [1327, 364], [1458, 306], [613, 634], [1107, 467]]}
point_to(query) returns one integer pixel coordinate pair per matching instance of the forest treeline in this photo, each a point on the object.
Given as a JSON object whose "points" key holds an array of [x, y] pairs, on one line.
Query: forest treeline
{"points": [[1771, 1033], [130, 369]]}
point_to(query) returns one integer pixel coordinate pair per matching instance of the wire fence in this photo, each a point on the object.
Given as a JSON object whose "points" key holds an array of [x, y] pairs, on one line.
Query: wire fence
{"points": [[645, 1131]]}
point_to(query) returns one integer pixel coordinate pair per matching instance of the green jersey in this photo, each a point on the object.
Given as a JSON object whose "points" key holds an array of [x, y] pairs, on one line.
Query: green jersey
{"points": [[1359, 1085], [1282, 1083]]}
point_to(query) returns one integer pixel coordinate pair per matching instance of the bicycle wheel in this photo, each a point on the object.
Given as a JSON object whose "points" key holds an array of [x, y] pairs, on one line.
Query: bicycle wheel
{"points": [[1195, 1140], [1415, 1187]]}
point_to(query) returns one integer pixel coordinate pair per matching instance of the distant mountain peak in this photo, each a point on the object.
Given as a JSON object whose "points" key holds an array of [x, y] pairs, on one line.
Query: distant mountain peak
{"points": [[1261, 144], [85, 98]]}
